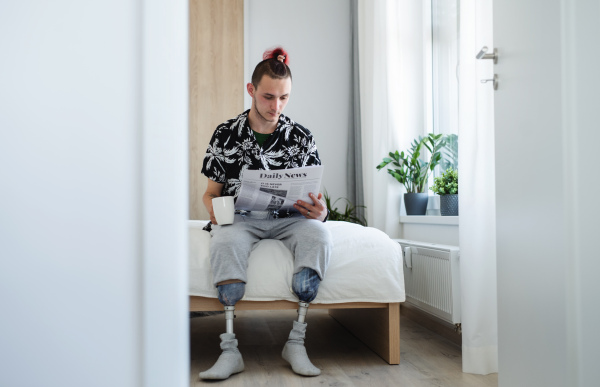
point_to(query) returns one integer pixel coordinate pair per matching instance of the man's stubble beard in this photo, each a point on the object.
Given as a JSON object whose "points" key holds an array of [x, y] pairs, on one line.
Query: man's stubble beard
{"points": [[263, 117]]}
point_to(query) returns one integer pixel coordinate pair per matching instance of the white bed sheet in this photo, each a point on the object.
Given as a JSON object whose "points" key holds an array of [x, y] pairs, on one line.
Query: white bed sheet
{"points": [[365, 266]]}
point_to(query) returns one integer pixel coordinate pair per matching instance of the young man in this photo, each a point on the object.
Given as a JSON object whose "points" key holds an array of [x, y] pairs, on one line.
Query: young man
{"points": [[262, 138]]}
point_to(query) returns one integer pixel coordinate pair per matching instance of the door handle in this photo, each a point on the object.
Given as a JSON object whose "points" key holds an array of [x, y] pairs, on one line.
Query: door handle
{"points": [[493, 80], [483, 54]]}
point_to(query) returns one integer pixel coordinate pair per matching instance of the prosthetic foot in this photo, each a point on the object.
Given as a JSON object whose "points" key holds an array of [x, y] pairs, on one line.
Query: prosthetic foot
{"points": [[230, 362], [294, 351]]}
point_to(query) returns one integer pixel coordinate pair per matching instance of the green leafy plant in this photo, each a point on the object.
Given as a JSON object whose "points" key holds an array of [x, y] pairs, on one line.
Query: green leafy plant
{"points": [[411, 170], [450, 152], [447, 184], [348, 214]]}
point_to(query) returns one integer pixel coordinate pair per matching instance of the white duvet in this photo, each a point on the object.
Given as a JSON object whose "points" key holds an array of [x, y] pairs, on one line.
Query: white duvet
{"points": [[365, 266]]}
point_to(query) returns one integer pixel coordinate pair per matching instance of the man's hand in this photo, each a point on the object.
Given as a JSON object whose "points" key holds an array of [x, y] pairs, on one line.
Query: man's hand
{"points": [[213, 190], [316, 210], [213, 220]]}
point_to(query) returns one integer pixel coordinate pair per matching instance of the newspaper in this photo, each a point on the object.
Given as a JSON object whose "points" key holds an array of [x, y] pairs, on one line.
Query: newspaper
{"points": [[278, 189]]}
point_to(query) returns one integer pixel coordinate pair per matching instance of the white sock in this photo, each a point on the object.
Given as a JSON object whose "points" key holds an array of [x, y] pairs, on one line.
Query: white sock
{"points": [[230, 362], [294, 352]]}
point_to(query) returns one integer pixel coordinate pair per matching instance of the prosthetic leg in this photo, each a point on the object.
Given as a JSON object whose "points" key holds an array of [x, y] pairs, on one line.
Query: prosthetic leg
{"points": [[305, 285], [230, 361]]}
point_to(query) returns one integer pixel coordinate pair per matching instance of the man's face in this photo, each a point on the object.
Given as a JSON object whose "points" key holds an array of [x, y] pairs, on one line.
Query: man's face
{"points": [[269, 97]]}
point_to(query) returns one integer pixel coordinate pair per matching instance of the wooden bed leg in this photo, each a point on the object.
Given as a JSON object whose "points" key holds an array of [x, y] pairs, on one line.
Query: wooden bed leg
{"points": [[379, 329]]}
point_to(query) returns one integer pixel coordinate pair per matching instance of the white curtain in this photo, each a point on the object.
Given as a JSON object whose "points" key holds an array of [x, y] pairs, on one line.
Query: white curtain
{"points": [[477, 192], [391, 98], [392, 63]]}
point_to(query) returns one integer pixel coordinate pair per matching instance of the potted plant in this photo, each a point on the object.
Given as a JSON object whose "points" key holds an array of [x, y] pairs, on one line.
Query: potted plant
{"points": [[450, 152], [412, 171], [349, 214], [447, 187]]}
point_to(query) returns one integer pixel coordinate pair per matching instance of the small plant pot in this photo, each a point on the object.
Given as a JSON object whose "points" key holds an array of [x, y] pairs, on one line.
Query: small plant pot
{"points": [[449, 205], [416, 203]]}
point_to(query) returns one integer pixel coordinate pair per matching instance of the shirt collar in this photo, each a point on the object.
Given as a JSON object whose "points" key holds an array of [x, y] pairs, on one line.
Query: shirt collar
{"points": [[283, 119]]}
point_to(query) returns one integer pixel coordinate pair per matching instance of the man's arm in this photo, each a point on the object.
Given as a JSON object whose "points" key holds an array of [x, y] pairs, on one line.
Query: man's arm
{"points": [[213, 190]]}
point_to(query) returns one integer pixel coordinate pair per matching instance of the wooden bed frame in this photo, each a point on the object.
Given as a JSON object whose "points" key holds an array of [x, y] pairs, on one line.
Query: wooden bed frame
{"points": [[375, 324]]}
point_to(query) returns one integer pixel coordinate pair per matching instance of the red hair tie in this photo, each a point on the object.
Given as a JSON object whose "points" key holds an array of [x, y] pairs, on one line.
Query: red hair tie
{"points": [[277, 53]]}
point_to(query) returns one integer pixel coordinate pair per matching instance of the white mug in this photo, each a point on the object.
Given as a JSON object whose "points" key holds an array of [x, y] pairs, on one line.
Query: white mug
{"points": [[224, 209]]}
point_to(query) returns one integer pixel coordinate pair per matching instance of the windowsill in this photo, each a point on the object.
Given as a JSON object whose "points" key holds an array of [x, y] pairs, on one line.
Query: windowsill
{"points": [[430, 219]]}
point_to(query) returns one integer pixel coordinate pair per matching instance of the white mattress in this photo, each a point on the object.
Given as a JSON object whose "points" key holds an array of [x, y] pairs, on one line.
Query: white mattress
{"points": [[365, 266]]}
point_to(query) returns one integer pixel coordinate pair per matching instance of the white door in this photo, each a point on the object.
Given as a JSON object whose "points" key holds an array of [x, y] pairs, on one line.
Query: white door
{"points": [[545, 129]]}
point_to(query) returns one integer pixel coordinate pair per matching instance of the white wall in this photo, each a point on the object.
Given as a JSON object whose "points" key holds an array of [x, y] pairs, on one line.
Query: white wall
{"points": [[317, 36], [432, 233], [75, 185]]}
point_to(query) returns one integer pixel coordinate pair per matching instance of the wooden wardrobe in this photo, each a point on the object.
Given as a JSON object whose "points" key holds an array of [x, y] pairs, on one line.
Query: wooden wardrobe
{"points": [[216, 82]]}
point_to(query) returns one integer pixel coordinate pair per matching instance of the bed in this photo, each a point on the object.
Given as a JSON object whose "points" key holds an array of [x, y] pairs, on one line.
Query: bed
{"points": [[362, 289]]}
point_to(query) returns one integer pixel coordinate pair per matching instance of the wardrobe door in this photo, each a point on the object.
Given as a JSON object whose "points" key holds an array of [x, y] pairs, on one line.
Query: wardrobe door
{"points": [[216, 81]]}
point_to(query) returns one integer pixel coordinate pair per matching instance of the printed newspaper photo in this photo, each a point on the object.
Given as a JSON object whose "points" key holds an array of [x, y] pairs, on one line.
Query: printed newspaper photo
{"points": [[266, 190]]}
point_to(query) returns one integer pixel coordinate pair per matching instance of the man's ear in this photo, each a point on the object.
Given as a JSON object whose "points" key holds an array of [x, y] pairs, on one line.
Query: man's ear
{"points": [[250, 88]]}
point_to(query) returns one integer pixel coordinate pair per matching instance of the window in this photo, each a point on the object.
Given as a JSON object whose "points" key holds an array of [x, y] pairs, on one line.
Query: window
{"points": [[444, 79]]}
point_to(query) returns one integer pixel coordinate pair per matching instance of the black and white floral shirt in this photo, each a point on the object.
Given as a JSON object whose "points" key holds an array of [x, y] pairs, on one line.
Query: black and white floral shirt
{"points": [[233, 149]]}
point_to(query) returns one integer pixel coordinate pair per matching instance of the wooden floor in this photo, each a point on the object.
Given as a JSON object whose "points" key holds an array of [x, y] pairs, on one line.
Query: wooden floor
{"points": [[426, 359]]}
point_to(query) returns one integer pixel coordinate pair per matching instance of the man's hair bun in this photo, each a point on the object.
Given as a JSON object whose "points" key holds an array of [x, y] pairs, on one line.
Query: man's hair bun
{"points": [[274, 53], [274, 65]]}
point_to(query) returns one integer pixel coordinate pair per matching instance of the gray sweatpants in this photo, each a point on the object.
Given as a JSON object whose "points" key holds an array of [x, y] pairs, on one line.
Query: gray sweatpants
{"points": [[230, 246]]}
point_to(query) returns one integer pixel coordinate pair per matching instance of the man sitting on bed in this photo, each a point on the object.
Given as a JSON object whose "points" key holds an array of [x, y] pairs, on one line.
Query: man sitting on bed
{"points": [[264, 139]]}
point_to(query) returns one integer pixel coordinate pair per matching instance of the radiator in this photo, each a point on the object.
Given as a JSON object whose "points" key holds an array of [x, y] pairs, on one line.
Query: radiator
{"points": [[432, 278]]}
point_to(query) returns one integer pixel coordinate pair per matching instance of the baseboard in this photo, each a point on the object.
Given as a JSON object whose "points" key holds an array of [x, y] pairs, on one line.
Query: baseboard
{"points": [[431, 322]]}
